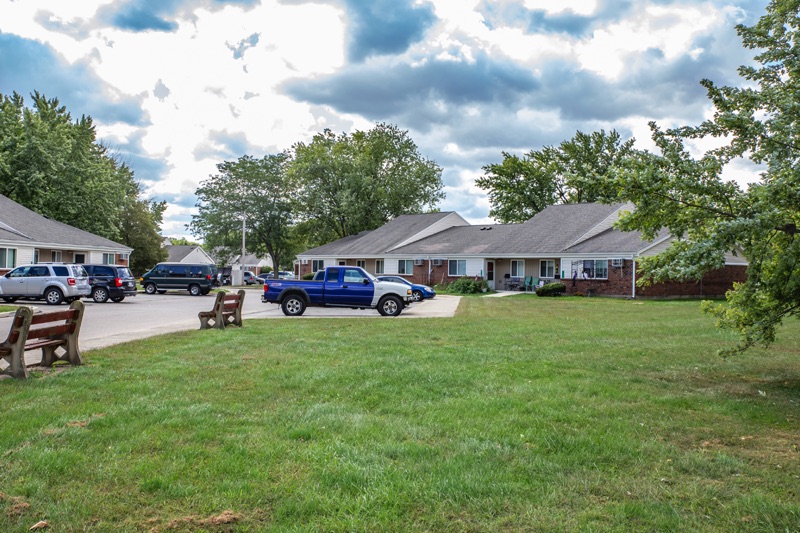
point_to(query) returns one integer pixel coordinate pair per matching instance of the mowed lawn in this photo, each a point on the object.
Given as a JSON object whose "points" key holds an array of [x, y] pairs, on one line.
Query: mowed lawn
{"points": [[519, 414]]}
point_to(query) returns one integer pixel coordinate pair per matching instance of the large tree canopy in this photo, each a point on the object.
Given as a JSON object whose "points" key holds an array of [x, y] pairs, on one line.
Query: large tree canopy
{"points": [[759, 121], [261, 192], [352, 183], [520, 187], [55, 166]]}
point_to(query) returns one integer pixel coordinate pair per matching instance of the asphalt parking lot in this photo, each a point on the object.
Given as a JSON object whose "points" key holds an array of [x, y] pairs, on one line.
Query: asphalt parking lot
{"points": [[148, 315]]}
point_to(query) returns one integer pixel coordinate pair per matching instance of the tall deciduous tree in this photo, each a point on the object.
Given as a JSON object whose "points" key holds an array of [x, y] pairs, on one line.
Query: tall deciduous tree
{"points": [[573, 172], [352, 183], [760, 121], [56, 167], [258, 190]]}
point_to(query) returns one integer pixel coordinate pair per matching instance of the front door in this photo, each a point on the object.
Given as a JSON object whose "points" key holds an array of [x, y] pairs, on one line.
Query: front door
{"points": [[490, 274]]}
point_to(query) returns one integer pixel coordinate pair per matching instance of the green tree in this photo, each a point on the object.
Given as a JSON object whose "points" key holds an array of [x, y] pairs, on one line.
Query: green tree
{"points": [[573, 172], [261, 191], [759, 121], [139, 229], [352, 183], [56, 167]]}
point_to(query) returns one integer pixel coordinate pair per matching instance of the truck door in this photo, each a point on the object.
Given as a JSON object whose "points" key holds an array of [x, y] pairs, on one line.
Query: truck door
{"points": [[354, 289]]}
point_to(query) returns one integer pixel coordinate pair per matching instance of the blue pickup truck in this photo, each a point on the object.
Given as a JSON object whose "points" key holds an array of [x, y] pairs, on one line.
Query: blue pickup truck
{"points": [[342, 286]]}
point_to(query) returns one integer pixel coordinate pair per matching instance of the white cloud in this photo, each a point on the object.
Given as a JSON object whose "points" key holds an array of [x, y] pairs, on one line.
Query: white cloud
{"points": [[579, 7]]}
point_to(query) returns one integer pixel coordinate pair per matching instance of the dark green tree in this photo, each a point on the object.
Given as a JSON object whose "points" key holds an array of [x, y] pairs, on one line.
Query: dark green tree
{"points": [[56, 167], [761, 121], [258, 190], [573, 172], [352, 183]]}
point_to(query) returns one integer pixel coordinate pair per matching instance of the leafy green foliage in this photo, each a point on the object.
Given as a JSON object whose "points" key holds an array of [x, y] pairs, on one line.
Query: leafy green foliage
{"points": [[467, 285], [55, 167], [551, 289], [518, 188], [689, 197], [352, 183], [258, 190]]}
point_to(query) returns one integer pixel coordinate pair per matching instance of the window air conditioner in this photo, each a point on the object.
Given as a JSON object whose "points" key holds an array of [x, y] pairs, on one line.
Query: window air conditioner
{"points": [[419, 262], [437, 262], [616, 262]]}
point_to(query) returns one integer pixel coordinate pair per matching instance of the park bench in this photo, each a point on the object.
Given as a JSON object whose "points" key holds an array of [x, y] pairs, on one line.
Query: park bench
{"points": [[56, 333], [227, 311]]}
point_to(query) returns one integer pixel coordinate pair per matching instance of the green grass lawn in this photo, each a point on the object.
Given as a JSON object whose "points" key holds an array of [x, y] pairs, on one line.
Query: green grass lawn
{"points": [[519, 414]]}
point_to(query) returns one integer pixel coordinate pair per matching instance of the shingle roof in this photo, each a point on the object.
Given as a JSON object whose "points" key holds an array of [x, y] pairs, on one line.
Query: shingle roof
{"points": [[381, 240], [568, 228], [21, 225]]}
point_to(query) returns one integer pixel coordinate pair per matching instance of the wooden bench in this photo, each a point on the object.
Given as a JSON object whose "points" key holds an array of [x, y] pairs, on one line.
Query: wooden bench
{"points": [[227, 311], [49, 331]]}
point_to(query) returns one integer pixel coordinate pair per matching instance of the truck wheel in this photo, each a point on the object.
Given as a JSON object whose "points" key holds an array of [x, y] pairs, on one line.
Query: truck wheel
{"points": [[293, 306], [150, 288], [100, 295], [53, 296], [390, 306], [194, 290]]}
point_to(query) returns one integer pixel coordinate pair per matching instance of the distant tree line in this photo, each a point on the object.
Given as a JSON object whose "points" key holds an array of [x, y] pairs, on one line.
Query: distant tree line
{"points": [[311, 194], [55, 166]]}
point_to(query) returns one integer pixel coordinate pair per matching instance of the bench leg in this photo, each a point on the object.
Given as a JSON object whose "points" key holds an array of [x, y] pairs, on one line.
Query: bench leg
{"points": [[17, 368], [71, 353]]}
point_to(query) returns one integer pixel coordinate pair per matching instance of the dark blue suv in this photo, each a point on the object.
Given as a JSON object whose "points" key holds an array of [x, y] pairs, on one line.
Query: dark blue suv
{"points": [[110, 282]]}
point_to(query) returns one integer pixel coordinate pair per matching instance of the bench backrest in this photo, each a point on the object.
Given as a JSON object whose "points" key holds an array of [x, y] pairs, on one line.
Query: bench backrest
{"points": [[69, 319]]}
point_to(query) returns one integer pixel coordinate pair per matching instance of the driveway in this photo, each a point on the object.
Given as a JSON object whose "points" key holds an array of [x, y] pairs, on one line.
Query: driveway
{"points": [[148, 315]]}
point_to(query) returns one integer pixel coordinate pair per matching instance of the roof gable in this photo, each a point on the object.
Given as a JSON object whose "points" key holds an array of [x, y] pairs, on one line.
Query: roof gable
{"points": [[18, 224]]}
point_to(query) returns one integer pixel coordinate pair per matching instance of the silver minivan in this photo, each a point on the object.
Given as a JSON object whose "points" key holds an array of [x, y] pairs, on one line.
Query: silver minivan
{"points": [[53, 282]]}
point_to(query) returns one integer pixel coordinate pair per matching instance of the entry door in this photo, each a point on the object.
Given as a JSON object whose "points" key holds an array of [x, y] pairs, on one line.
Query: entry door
{"points": [[490, 274]]}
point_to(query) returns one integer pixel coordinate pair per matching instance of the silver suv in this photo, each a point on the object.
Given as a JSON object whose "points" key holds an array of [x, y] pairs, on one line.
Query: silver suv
{"points": [[54, 282]]}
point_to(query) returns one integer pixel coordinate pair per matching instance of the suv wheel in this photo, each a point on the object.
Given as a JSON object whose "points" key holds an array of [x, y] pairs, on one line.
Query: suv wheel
{"points": [[53, 296], [100, 295], [150, 288]]}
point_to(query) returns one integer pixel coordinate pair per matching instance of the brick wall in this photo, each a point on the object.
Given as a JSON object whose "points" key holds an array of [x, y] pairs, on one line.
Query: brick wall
{"points": [[713, 284]]}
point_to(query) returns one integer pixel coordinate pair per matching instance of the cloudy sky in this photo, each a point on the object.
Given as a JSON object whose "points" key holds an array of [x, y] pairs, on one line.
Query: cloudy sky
{"points": [[178, 86]]}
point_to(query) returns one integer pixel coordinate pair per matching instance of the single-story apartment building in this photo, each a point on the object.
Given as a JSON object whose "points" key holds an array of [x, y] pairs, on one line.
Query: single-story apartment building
{"points": [[27, 237], [574, 243]]}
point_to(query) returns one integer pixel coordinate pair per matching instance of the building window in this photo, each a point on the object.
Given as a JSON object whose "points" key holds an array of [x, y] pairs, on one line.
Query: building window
{"points": [[379, 266], [517, 268], [8, 257], [361, 263], [80, 258], [594, 269], [405, 266], [108, 259], [55, 256], [457, 267], [317, 264], [547, 268], [35, 255]]}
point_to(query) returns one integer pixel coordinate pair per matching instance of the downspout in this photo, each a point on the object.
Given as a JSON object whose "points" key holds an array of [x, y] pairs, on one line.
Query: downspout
{"points": [[633, 277]]}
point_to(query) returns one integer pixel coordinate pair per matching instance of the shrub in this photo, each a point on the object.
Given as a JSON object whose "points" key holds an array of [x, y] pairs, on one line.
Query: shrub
{"points": [[551, 289], [308, 276], [465, 285]]}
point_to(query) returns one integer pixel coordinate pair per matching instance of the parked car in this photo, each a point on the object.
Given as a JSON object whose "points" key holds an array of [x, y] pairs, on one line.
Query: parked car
{"points": [[282, 274], [250, 278], [419, 292], [196, 278], [343, 286], [53, 282], [113, 282]]}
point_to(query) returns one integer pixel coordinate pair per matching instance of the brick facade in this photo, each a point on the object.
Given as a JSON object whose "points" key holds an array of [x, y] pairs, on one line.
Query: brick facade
{"points": [[713, 284]]}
